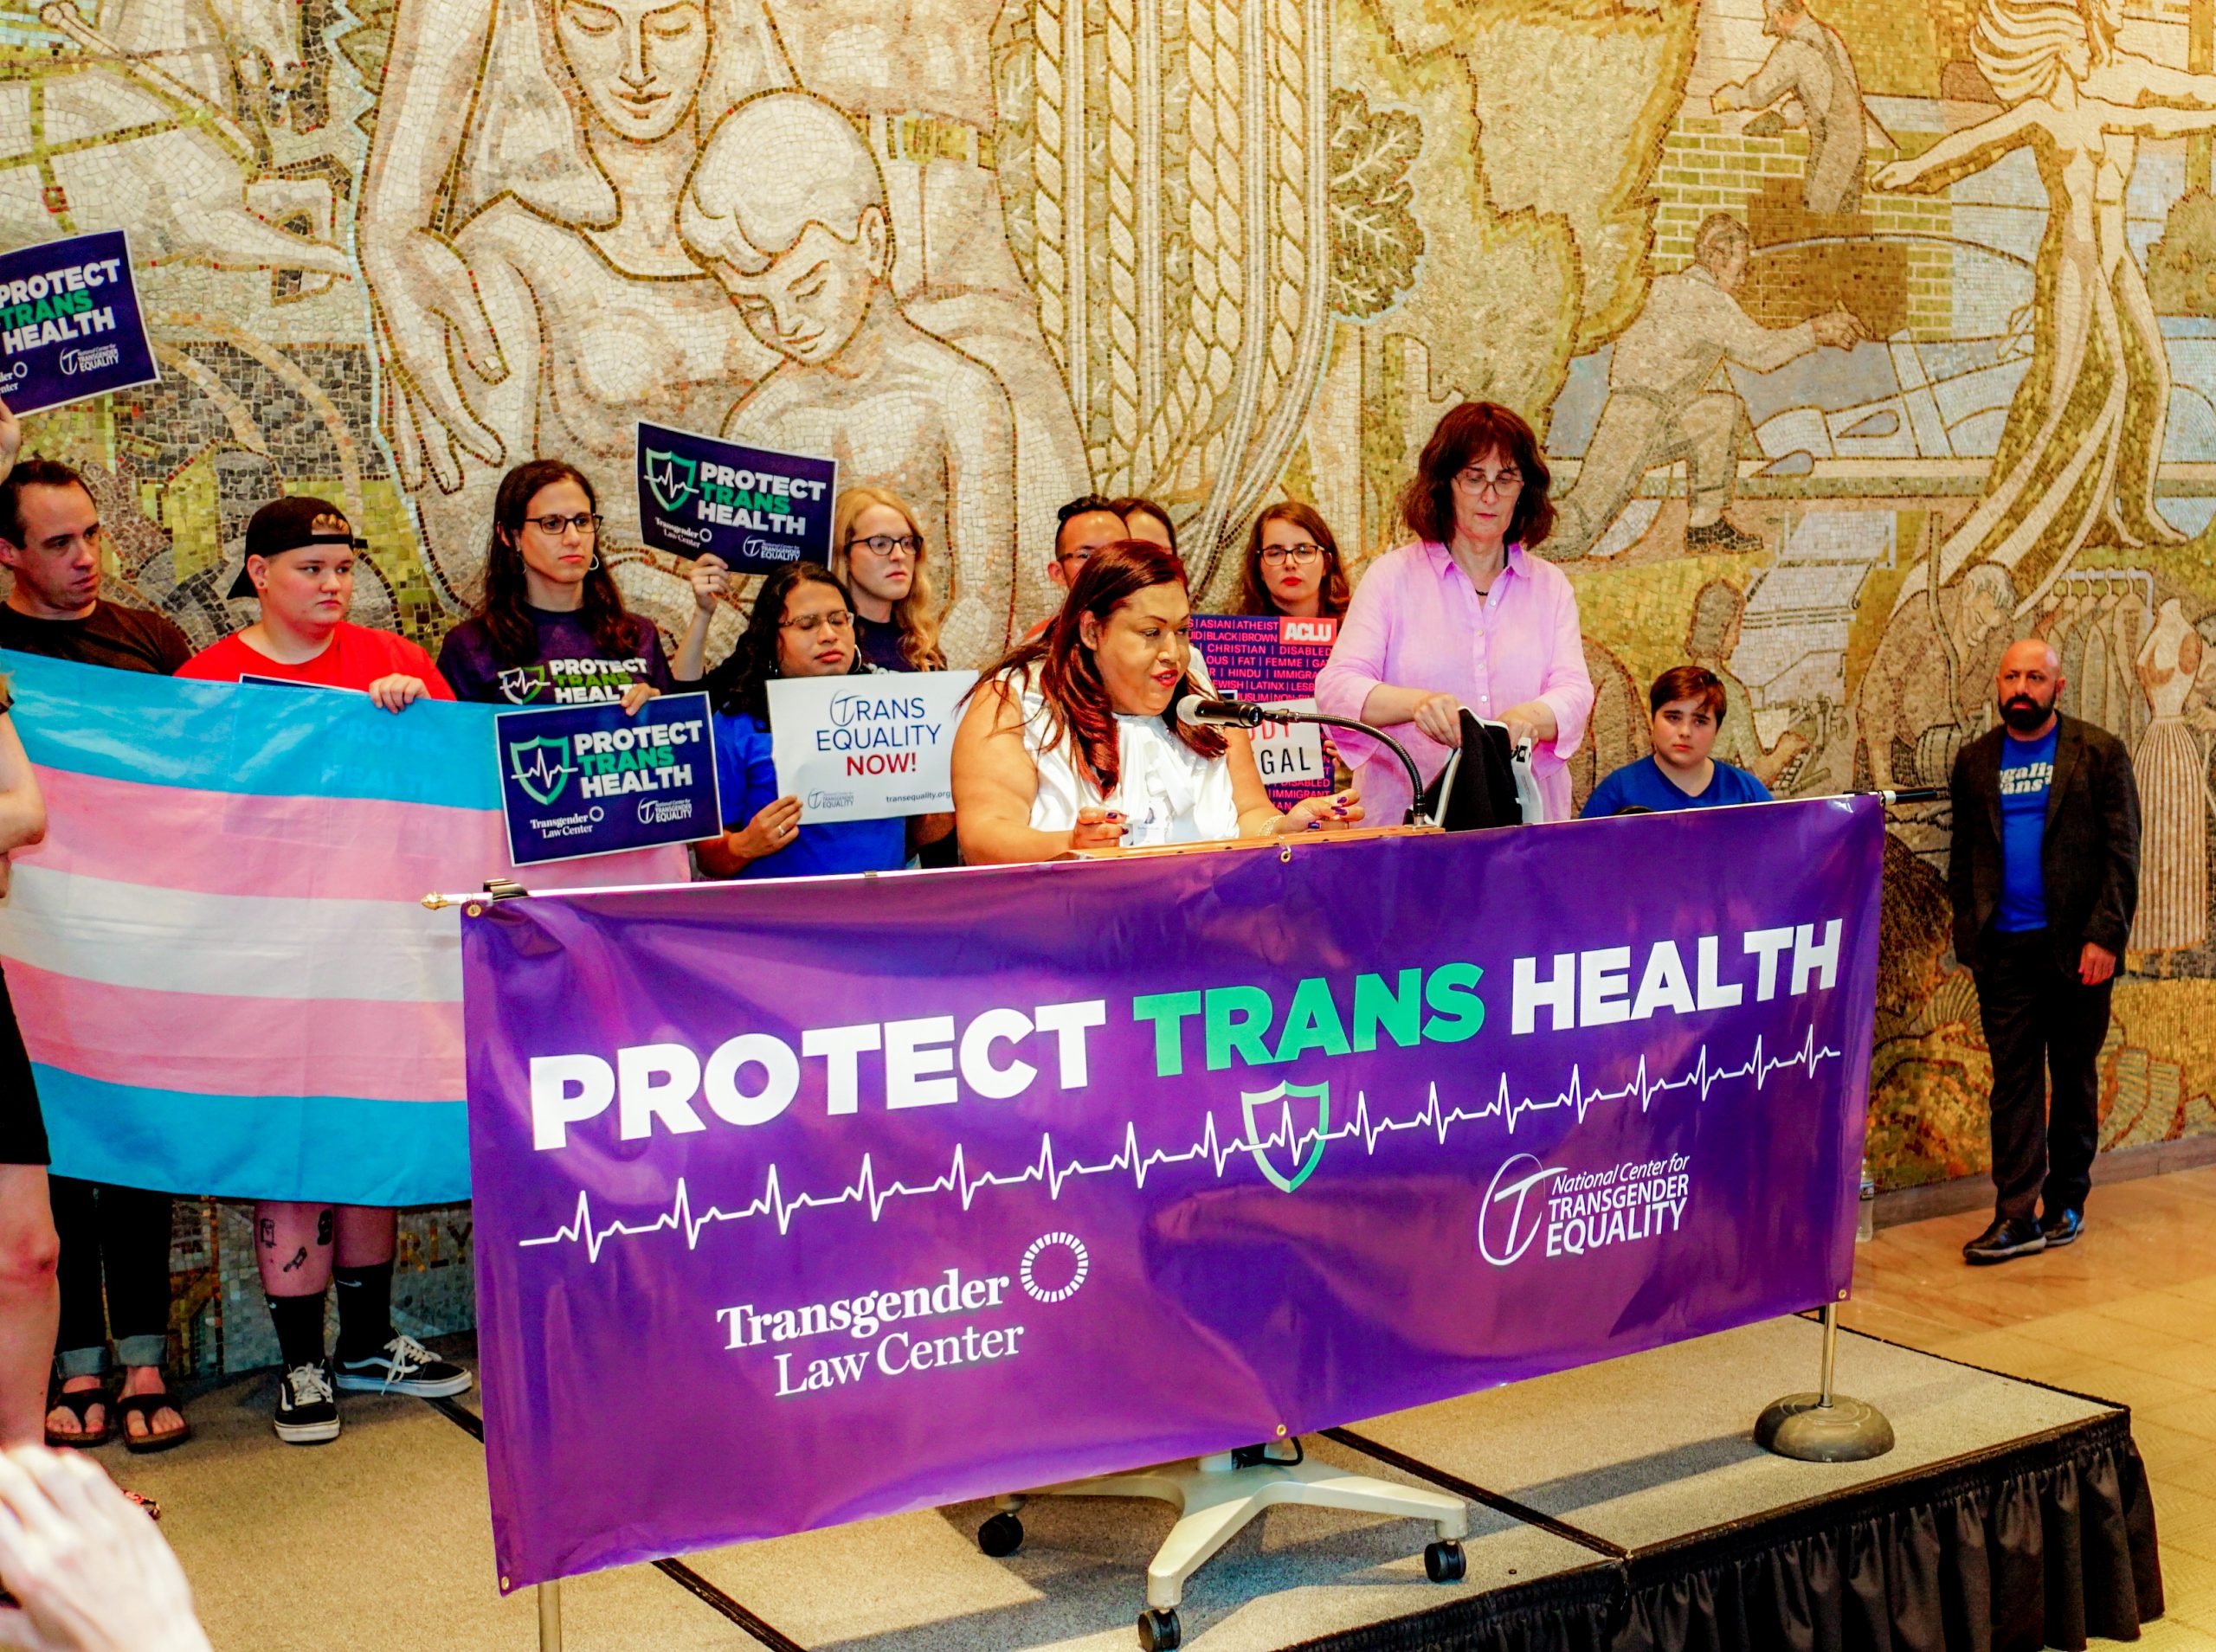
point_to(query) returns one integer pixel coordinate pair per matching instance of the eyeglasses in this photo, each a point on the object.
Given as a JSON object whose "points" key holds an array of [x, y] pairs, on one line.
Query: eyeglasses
{"points": [[1474, 480], [1298, 556], [584, 522], [884, 544], [841, 621]]}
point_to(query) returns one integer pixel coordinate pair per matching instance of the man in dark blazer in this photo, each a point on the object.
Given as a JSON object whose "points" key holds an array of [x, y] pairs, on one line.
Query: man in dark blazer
{"points": [[2044, 875]]}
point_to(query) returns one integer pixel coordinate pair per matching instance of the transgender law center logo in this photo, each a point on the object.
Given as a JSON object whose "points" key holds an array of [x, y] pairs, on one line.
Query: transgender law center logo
{"points": [[1053, 1267]]}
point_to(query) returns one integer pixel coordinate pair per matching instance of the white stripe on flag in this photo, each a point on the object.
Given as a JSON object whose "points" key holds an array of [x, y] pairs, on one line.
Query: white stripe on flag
{"points": [[248, 946]]}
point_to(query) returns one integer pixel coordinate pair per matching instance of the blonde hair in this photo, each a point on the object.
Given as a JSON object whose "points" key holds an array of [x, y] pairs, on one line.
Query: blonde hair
{"points": [[2024, 47], [915, 614]]}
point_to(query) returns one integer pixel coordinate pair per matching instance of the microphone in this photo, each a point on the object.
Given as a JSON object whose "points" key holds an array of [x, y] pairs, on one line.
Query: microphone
{"points": [[1198, 711]]}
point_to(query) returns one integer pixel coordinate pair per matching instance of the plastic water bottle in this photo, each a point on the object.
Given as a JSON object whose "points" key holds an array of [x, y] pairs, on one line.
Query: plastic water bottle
{"points": [[1866, 1225]]}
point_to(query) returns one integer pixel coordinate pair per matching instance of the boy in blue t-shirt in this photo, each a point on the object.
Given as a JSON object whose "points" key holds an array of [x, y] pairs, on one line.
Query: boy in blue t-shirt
{"points": [[1687, 704]]}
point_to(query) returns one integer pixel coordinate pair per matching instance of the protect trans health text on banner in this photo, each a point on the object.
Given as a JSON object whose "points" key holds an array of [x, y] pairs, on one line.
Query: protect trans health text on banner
{"points": [[932, 1185]]}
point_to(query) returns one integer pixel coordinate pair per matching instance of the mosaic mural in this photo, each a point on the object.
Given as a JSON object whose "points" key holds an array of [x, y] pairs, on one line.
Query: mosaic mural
{"points": [[1865, 334]]}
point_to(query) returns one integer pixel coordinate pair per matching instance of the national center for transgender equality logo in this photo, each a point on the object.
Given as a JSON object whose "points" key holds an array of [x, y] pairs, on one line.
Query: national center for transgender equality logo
{"points": [[541, 767]]}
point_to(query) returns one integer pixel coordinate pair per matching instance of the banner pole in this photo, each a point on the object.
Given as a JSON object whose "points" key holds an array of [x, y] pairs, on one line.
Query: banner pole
{"points": [[550, 1617], [1825, 1426]]}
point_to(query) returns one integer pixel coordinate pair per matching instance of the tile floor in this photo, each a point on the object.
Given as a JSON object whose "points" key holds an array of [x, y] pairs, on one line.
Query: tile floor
{"points": [[2127, 1314]]}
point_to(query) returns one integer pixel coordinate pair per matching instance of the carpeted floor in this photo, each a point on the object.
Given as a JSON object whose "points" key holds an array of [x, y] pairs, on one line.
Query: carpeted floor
{"points": [[384, 1532]]}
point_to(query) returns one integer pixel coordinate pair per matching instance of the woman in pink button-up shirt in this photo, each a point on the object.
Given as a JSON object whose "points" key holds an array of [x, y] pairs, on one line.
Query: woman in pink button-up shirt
{"points": [[1467, 616]]}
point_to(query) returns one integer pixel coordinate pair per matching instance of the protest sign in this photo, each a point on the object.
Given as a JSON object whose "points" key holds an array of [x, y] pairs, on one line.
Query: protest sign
{"points": [[70, 322], [588, 780], [1273, 661], [756, 508], [866, 748], [895, 1205]]}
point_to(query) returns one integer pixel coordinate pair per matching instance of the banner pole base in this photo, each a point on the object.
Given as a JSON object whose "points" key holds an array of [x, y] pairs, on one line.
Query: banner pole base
{"points": [[1825, 1427], [549, 1617]]}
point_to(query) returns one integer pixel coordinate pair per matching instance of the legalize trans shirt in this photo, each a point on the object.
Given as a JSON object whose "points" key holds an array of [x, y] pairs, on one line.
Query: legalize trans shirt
{"points": [[571, 668]]}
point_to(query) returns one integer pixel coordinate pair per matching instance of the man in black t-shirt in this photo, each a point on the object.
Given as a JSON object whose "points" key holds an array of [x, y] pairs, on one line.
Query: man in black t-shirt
{"points": [[50, 538]]}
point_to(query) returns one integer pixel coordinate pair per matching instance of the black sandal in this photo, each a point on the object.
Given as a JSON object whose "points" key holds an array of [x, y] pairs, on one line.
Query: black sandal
{"points": [[77, 1403], [142, 1407]]}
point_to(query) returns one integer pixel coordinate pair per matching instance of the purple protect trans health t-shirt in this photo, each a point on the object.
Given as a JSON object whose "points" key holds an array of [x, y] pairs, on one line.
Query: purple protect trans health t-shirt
{"points": [[571, 668]]}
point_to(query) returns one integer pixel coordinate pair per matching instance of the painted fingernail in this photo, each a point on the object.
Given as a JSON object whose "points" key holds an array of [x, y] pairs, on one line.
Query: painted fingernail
{"points": [[1315, 826], [1113, 815]]}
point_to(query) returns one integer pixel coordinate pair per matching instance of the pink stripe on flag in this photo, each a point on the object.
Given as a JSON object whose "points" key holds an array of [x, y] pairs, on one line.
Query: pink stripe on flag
{"points": [[223, 843], [220, 1045]]}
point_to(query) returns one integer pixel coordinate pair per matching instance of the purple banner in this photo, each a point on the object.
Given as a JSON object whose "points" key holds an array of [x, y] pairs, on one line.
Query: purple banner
{"points": [[799, 1204]]}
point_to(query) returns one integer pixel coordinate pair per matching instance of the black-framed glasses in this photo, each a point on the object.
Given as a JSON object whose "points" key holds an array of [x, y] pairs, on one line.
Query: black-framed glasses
{"points": [[841, 621], [1474, 480], [1299, 555], [884, 544], [585, 522]]}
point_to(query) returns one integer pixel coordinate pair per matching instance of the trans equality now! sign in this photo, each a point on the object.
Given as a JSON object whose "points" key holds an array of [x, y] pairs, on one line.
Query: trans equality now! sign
{"points": [[884, 1193]]}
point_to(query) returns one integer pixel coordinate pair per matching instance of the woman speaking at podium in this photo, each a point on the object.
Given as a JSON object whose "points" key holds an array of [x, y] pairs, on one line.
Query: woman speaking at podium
{"points": [[1072, 740], [1465, 616]]}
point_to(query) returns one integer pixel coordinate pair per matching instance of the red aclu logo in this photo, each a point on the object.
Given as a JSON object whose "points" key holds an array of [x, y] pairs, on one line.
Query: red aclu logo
{"points": [[1315, 633]]}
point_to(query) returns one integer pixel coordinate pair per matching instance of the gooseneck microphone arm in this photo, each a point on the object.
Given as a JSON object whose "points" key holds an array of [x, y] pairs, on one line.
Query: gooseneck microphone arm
{"points": [[1201, 709]]}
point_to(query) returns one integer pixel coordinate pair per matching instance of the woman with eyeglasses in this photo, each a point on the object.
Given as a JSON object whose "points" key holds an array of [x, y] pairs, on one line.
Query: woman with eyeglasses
{"points": [[1467, 616], [550, 627], [801, 626], [1292, 566], [877, 552]]}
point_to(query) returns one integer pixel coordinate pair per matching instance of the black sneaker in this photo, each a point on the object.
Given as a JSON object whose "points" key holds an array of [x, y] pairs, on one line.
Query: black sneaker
{"points": [[404, 1365], [307, 1409], [2006, 1240], [2061, 1228]]}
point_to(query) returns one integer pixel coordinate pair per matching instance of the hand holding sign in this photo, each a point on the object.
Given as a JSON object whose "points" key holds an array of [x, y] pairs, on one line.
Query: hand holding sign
{"points": [[772, 827], [750, 509]]}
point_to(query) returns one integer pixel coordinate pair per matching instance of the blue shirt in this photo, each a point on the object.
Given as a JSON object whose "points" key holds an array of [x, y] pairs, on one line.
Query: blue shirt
{"points": [[748, 778], [2026, 771], [1643, 785]]}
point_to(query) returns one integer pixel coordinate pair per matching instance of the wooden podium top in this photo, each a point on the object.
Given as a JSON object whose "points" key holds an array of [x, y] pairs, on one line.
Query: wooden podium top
{"points": [[1217, 845]]}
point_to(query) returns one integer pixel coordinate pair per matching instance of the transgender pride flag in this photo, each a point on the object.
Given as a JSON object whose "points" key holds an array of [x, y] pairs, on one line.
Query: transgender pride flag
{"points": [[219, 957]]}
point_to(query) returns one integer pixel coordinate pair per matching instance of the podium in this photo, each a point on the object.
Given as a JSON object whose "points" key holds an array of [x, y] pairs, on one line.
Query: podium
{"points": [[1219, 1495]]}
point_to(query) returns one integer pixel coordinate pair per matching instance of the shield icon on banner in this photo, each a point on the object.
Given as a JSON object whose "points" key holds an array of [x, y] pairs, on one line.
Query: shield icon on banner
{"points": [[1251, 1100], [670, 479], [540, 767]]}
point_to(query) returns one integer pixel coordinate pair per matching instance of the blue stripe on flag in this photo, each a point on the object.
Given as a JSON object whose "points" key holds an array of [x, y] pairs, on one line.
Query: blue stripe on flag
{"points": [[340, 1150], [251, 739]]}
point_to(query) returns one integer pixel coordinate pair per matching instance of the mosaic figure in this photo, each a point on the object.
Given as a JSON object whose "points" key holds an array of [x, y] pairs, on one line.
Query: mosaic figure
{"points": [[140, 127], [1924, 693], [918, 79], [2172, 769], [786, 208], [1661, 406], [577, 311], [2085, 429], [1810, 72]]}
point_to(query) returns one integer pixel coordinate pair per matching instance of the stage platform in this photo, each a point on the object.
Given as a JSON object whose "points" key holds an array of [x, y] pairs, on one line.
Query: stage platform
{"points": [[1619, 1506]]}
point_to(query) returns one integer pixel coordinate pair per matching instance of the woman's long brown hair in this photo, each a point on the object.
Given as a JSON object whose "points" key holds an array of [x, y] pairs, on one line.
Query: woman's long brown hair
{"points": [[1069, 677], [1254, 593]]}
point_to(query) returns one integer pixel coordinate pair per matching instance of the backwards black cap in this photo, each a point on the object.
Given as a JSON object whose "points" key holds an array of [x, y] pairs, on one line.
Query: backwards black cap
{"points": [[292, 525]]}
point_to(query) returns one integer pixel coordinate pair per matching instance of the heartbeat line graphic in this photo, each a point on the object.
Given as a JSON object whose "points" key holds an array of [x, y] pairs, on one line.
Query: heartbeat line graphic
{"points": [[1054, 1173], [540, 771]]}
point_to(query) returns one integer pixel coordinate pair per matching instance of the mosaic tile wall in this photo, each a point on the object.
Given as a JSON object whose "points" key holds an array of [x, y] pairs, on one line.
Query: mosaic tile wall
{"points": [[1218, 253]]}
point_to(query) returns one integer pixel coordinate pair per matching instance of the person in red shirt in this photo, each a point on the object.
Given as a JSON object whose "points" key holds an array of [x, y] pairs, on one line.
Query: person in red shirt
{"points": [[299, 560]]}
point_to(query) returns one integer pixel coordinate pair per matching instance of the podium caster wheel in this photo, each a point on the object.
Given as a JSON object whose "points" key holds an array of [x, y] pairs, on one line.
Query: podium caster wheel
{"points": [[1444, 1562], [1159, 1631], [1001, 1536]]}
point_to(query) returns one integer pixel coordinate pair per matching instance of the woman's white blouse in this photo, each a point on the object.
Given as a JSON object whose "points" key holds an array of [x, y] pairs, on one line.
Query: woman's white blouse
{"points": [[1167, 792]]}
